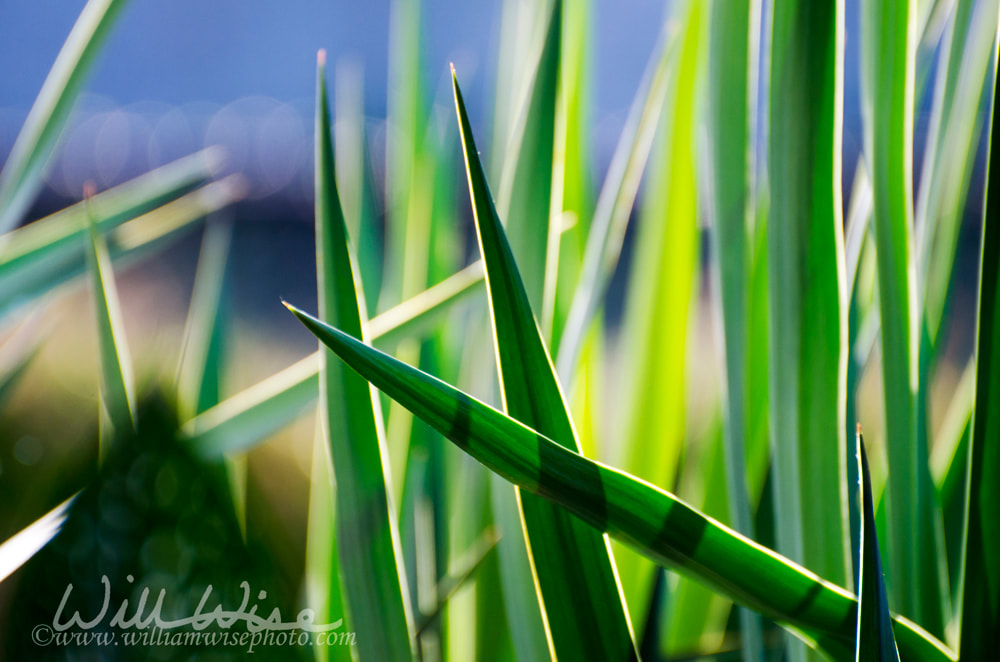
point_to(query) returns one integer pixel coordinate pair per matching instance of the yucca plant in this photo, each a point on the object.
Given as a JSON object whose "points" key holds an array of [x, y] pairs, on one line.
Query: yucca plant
{"points": [[608, 461]]}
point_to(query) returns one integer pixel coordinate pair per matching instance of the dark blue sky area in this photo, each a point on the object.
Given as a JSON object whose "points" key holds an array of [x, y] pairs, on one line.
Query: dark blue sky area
{"points": [[178, 51]]}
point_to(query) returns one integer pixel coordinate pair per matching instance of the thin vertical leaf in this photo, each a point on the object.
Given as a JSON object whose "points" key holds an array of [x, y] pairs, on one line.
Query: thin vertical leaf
{"points": [[572, 563], [733, 58], [354, 173], [572, 195], [200, 371], [888, 46], [875, 642], [116, 392], [21, 178], [323, 587], [375, 593], [807, 285], [525, 193], [980, 610]]}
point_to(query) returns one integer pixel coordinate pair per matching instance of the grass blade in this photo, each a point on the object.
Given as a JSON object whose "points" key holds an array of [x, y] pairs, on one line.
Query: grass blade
{"points": [[127, 243], [733, 60], [650, 519], [955, 126], [888, 49], [572, 563], [16, 550], [22, 174], [324, 589], [199, 373], [116, 391], [525, 193], [875, 642], [980, 612], [375, 593], [808, 286], [27, 252]]}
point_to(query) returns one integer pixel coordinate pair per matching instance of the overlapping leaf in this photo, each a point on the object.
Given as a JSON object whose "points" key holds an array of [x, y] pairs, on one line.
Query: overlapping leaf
{"points": [[572, 563]]}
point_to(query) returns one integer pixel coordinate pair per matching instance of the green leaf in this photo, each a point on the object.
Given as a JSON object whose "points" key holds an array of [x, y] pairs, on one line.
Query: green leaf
{"points": [[808, 287], [733, 51], [199, 372], [980, 611], [572, 563], [259, 411], [525, 193], [888, 45], [662, 527], [116, 390], [202, 362], [323, 587], [875, 642], [22, 174], [956, 122], [39, 256], [375, 593]]}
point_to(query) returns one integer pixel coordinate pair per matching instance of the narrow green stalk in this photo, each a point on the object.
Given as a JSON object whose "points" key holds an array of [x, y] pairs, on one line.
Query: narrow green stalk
{"points": [[572, 565], [374, 588], [733, 58], [979, 615], [116, 390], [808, 286]]}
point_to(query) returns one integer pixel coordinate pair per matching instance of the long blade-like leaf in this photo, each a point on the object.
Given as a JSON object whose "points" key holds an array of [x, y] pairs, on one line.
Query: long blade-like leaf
{"points": [[572, 562], [888, 46], [807, 293], [29, 252], [733, 58], [875, 642], [199, 371], [375, 593], [116, 392], [127, 243], [22, 174], [980, 608], [650, 519], [526, 185]]}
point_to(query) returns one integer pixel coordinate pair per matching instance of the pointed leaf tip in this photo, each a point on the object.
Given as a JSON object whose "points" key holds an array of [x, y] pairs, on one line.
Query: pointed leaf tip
{"points": [[321, 57]]}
